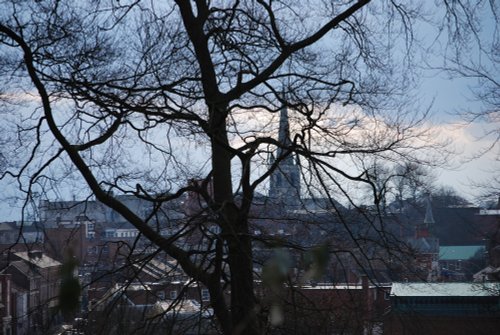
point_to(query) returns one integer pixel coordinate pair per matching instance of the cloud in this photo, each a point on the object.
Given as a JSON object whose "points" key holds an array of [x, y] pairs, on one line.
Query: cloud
{"points": [[476, 156]]}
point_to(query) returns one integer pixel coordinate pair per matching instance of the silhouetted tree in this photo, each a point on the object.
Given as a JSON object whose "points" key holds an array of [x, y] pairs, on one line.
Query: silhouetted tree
{"points": [[136, 98]]}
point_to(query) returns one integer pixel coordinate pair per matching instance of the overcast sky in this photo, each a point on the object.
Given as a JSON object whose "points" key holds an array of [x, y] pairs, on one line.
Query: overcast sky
{"points": [[448, 96]]}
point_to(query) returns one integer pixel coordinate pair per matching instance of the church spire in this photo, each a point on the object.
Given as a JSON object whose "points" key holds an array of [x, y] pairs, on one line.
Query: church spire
{"points": [[429, 218], [424, 228], [285, 180], [284, 137], [284, 130]]}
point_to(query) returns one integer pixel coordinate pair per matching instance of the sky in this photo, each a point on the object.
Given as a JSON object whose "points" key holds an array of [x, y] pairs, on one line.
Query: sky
{"points": [[454, 97], [448, 96], [462, 172]]}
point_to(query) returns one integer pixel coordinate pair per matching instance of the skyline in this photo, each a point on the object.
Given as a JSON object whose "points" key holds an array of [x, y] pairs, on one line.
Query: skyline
{"points": [[464, 173], [446, 97]]}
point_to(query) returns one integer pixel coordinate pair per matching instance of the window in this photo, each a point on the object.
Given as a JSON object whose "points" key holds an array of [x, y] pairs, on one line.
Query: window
{"points": [[105, 249], [173, 295], [161, 295], [205, 295], [387, 295], [214, 229]]}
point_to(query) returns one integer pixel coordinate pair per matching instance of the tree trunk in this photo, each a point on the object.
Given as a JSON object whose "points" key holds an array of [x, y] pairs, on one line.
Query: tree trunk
{"points": [[234, 226], [243, 302]]}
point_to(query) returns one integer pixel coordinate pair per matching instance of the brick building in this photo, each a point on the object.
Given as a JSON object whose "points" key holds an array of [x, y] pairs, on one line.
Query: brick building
{"points": [[34, 282], [443, 308]]}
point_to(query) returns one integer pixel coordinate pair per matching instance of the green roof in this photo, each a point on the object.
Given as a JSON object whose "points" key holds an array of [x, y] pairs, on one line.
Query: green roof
{"points": [[459, 252]]}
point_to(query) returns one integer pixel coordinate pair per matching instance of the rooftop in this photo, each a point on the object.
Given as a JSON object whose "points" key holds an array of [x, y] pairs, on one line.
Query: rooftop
{"points": [[459, 252], [445, 289], [183, 307], [40, 260]]}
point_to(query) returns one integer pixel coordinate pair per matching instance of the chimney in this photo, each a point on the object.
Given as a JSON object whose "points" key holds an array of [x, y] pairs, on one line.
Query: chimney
{"points": [[5, 280], [35, 254], [367, 302]]}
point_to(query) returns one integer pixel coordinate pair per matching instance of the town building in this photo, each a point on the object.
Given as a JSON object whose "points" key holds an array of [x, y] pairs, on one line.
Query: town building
{"points": [[328, 308], [138, 307], [126, 279], [443, 308], [459, 263], [33, 281], [425, 246]]}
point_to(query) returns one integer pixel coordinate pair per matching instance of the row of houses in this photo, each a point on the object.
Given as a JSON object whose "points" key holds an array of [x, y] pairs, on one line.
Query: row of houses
{"points": [[30, 287], [127, 285]]}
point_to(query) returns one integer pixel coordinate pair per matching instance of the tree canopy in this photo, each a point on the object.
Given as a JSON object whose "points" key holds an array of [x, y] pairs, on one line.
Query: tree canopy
{"points": [[140, 97]]}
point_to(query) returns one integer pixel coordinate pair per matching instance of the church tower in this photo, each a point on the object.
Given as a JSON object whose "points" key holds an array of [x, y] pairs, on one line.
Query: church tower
{"points": [[426, 245], [424, 228], [285, 180]]}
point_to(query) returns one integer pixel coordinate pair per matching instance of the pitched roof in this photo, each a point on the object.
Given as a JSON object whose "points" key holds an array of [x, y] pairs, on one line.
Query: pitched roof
{"points": [[425, 244], [161, 270], [134, 294], [43, 261], [180, 308], [22, 267]]}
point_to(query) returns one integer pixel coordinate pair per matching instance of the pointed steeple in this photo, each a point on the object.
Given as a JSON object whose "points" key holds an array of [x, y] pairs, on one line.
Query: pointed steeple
{"points": [[429, 218], [285, 180], [424, 228], [284, 130]]}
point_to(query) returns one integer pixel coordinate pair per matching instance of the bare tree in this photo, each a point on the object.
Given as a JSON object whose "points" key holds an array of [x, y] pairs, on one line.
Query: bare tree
{"points": [[128, 93], [472, 53]]}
